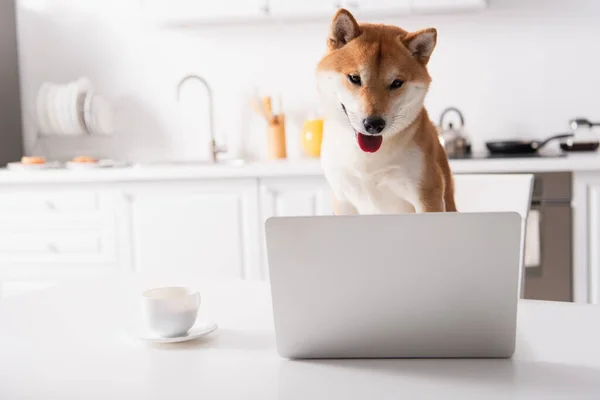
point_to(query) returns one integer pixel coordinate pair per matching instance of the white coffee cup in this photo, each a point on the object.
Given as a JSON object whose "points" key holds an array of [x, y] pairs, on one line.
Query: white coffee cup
{"points": [[170, 311]]}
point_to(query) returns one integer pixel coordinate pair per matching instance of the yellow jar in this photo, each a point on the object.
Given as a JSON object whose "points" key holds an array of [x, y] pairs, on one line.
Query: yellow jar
{"points": [[312, 136]]}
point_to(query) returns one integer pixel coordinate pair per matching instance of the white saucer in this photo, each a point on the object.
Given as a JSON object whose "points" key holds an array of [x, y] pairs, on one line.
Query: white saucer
{"points": [[102, 163], [82, 165], [17, 166], [201, 328]]}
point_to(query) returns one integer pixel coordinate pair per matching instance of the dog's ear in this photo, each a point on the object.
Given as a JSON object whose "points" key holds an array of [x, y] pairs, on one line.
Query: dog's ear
{"points": [[421, 43], [343, 29]]}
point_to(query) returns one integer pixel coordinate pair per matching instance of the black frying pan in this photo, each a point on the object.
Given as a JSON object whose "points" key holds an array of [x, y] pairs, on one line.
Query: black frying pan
{"points": [[521, 146]]}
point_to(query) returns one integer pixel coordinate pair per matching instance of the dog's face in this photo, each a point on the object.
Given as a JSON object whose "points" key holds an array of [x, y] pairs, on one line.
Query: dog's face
{"points": [[374, 77]]}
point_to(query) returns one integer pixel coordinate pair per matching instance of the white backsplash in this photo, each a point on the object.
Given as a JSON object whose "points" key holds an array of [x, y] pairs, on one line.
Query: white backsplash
{"points": [[521, 68]]}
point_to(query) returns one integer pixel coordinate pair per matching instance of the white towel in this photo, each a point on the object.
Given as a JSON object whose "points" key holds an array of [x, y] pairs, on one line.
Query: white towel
{"points": [[532, 240]]}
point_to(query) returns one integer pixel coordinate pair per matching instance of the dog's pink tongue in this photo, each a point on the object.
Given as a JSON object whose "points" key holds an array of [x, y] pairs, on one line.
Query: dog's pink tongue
{"points": [[368, 143]]}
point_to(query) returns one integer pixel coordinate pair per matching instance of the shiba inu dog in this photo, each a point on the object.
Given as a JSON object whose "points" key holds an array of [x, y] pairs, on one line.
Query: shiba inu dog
{"points": [[380, 151]]}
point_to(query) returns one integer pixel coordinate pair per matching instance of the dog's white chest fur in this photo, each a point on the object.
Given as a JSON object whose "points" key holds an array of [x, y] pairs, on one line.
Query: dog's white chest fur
{"points": [[371, 183]]}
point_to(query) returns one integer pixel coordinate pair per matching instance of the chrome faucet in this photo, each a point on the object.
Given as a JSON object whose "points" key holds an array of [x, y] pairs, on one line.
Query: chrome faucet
{"points": [[214, 148]]}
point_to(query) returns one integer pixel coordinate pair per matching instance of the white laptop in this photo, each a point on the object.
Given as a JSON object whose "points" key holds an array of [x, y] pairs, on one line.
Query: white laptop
{"points": [[432, 285]]}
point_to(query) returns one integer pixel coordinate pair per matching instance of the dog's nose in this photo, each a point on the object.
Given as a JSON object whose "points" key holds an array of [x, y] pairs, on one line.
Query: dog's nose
{"points": [[374, 124]]}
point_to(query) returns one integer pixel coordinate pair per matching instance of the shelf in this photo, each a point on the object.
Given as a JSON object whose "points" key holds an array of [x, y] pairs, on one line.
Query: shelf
{"points": [[192, 13]]}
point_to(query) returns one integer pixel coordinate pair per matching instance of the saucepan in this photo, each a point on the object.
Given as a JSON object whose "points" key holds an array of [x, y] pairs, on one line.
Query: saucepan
{"points": [[521, 146]]}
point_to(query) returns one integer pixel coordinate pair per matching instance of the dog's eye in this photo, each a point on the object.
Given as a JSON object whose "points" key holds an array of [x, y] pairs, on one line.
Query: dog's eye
{"points": [[396, 84], [355, 79]]}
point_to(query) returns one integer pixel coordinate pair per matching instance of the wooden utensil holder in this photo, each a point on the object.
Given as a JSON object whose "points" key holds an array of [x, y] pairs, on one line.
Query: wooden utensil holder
{"points": [[276, 139]]}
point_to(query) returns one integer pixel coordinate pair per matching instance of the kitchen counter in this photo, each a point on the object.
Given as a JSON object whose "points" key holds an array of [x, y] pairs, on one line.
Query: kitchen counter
{"points": [[287, 168], [571, 162]]}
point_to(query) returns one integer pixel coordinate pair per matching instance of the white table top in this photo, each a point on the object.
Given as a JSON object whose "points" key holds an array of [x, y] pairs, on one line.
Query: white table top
{"points": [[72, 342]]}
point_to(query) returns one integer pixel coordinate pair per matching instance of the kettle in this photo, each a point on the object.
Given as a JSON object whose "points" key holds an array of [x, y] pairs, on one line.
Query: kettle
{"points": [[454, 140]]}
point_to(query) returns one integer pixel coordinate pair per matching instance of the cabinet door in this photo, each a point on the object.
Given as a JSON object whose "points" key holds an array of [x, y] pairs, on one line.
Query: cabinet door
{"points": [[446, 5], [203, 11], [61, 231], [295, 197], [586, 237], [285, 197], [201, 229], [588, 277]]}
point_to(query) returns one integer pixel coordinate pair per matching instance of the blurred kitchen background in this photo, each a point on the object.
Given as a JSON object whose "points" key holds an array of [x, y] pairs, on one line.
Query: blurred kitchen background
{"points": [[131, 94], [514, 68]]}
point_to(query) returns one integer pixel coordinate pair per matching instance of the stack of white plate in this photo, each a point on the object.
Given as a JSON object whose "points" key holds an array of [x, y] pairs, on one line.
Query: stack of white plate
{"points": [[73, 109]]}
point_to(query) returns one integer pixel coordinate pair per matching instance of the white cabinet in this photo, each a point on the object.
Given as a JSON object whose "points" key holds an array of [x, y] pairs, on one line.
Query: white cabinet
{"points": [[446, 5], [287, 197], [211, 228], [586, 237], [593, 224], [49, 231], [206, 227], [191, 12], [376, 8], [303, 9], [327, 8], [181, 12], [294, 197]]}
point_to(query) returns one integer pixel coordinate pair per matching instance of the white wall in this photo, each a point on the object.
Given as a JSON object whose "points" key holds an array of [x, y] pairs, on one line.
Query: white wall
{"points": [[523, 67]]}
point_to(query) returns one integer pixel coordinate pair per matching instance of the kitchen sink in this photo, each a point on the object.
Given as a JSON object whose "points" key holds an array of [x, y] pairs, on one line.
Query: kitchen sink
{"points": [[189, 163]]}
